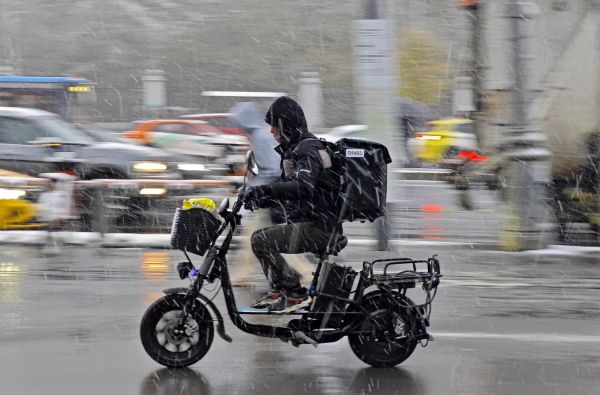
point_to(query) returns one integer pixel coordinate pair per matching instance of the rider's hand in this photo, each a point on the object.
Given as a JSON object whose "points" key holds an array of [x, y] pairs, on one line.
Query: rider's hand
{"points": [[255, 194], [248, 198]]}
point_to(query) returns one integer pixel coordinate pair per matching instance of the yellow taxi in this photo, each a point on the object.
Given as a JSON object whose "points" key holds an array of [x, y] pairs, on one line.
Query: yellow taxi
{"points": [[18, 193], [444, 141]]}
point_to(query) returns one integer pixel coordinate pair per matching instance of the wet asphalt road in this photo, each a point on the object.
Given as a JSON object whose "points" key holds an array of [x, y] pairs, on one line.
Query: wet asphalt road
{"points": [[504, 324]]}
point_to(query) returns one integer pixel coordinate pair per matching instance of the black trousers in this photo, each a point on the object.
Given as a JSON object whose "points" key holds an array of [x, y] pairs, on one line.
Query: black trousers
{"points": [[295, 238]]}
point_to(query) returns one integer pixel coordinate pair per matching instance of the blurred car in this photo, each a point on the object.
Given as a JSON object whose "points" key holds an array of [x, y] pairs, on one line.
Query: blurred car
{"points": [[222, 121], [35, 141], [218, 152], [189, 167], [344, 131], [447, 141], [18, 196]]}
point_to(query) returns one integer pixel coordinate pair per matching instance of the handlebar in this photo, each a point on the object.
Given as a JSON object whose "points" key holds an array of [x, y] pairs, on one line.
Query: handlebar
{"points": [[232, 216], [237, 206]]}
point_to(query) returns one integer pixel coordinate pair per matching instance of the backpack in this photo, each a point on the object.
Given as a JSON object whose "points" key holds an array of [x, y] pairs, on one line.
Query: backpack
{"points": [[360, 181]]}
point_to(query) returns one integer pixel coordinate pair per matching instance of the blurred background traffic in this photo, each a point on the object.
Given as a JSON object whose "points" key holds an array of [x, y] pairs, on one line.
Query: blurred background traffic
{"points": [[490, 109]]}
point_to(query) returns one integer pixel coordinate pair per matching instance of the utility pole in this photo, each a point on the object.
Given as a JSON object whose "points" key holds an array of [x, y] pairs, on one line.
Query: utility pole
{"points": [[473, 104], [527, 223], [374, 92], [310, 98], [371, 9], [477, 69]]}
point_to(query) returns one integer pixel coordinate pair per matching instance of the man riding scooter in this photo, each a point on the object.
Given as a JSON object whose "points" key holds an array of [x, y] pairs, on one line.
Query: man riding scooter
{"points": [[309, 201], [382, 323]]}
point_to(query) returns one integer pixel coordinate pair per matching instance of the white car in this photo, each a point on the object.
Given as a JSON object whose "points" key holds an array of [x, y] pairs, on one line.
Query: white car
{"points": [[344, 131]]}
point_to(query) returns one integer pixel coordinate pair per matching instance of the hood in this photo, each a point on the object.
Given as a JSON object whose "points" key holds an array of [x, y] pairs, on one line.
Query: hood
{"points": [[247, 116], [287, 116]]}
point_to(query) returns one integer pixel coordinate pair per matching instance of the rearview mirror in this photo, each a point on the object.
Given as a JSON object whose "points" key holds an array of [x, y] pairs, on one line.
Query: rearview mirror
{"points": [[251, 163], [224, 206]]}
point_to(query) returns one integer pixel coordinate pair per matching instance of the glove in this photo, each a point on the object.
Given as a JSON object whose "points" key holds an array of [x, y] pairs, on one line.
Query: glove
{"points": [[256, 195], [248, 203]]}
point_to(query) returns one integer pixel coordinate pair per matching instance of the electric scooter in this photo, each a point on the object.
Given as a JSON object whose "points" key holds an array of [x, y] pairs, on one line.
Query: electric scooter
{"points": [[369, 306]]}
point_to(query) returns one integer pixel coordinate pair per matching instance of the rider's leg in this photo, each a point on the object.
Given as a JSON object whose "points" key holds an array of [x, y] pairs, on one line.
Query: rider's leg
{"points": [[269, 243], [302, 265]]}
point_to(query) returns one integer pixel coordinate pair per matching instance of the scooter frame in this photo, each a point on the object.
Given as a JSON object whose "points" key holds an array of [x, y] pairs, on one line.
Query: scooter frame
{"points": [[312, 328]]}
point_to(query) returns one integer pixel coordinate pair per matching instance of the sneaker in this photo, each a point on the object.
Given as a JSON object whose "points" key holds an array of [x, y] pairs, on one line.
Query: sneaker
{"points": [[290, 302], [268, 299]]}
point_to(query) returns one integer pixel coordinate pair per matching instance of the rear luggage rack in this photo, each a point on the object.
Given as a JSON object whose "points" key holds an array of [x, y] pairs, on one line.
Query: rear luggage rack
{"points": [[421, 271], [426, 272]]}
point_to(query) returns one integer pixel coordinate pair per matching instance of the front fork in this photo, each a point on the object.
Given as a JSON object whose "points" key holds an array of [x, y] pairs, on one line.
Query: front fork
{"points": [[207, 302]]}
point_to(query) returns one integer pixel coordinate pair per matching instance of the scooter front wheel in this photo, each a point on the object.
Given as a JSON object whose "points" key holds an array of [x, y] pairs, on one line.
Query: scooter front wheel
{"points": [[175, 339]]}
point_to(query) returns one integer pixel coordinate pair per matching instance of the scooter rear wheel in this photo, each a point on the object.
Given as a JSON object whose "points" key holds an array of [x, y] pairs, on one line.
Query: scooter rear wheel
{"points": [[386, 337], [173, 339]]}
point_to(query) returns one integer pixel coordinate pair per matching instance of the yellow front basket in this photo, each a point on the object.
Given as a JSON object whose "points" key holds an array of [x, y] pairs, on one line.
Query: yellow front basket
{"points": [[205, 203]]}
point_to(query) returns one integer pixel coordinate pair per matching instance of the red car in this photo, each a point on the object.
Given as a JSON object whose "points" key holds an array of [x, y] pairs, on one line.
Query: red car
{"points": [[222, 121]]}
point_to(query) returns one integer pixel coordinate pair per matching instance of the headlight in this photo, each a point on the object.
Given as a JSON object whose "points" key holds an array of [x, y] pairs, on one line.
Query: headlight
{"points": [[149, 166], [153, 191], [12, 193], [192, 167]]}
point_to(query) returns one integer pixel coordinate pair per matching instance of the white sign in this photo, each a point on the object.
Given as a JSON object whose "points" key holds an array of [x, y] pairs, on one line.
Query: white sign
{"points": [[355, 153], [372, 52]]}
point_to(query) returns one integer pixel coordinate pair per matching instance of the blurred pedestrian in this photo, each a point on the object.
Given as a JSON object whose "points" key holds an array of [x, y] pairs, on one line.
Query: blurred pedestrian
{"points": [[248, 117], [411, 115], [55, 208]]}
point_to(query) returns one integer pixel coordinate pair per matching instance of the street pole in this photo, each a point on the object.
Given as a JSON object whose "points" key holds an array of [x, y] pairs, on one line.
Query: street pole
{"points": [[373, 84], [371, 9], [310, 99], [475, 70], [383, 225], [526, 223], [475, 107]]}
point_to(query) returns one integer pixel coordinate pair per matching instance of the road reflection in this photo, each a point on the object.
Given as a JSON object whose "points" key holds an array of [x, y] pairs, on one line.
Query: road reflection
{"points": [[155, 265], [386, 381], [365, 381], [10, 282], [175, 381]]}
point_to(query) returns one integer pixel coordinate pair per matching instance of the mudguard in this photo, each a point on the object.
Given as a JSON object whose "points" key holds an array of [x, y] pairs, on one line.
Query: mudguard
{"points": [[210, 304]]}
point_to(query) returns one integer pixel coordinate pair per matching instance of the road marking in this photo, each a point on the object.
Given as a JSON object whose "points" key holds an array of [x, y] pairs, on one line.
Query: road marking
{"points": [[424, 183], [487, 284], [525, 337]]}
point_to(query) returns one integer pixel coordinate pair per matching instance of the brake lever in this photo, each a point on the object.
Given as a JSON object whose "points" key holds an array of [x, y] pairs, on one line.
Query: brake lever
{"points": [[239, 202], [237, 218]]}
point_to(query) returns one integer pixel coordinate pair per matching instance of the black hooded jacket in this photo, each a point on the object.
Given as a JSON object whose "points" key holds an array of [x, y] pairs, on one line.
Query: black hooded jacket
{"points": [[305, 185]]}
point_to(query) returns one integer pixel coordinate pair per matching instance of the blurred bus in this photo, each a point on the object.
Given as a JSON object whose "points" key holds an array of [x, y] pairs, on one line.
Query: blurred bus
{"points": [[66, 96]]}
